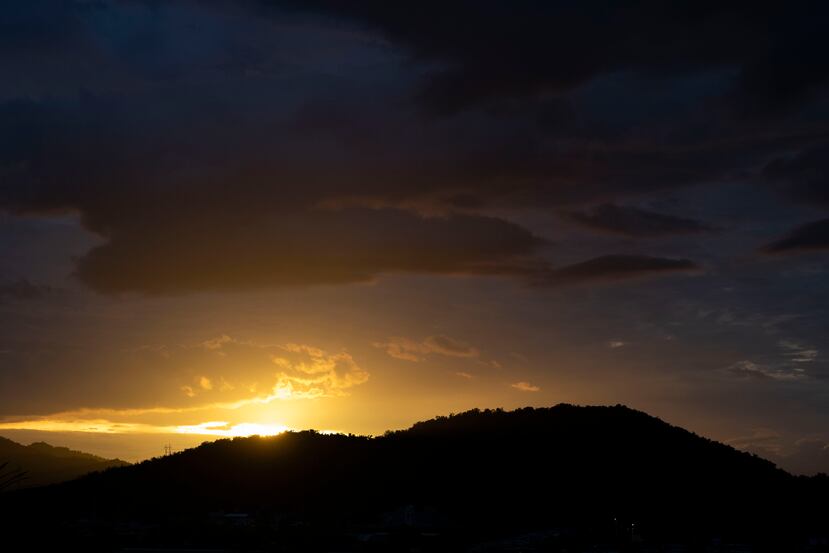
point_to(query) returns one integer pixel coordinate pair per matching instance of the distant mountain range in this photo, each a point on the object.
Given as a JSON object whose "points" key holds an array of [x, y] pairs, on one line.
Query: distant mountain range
{"points": [[41, 463], [611, 473]]}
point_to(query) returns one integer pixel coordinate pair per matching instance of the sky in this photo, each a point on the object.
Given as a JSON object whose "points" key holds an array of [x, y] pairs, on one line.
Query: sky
{"points": [[223, 218]]}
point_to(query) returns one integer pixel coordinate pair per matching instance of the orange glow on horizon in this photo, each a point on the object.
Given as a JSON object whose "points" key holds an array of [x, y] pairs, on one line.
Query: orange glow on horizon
{"points": [[99, 426], [222, 428]]}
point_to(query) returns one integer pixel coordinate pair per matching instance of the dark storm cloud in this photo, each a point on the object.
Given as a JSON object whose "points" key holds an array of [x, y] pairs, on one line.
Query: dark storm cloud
{"points": [[312, 248], [181, 217], [225, 146], [497, 50], [611, 268], [636, 222], [809, 237], [626, 98]]}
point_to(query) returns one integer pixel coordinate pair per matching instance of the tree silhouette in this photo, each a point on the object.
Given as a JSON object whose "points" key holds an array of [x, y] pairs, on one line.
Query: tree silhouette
{"points": [[482, 474]]}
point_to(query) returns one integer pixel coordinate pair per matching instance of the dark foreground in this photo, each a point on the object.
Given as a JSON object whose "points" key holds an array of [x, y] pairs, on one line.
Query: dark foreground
{"points": [[560, 479]]}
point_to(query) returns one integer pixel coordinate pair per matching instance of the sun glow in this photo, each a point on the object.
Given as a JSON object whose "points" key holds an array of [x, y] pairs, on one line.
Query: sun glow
{"points": [[222, 428]]}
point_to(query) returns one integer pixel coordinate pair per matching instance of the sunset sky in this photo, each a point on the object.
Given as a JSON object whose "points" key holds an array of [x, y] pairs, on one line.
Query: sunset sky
{"points": [[225, 218]]}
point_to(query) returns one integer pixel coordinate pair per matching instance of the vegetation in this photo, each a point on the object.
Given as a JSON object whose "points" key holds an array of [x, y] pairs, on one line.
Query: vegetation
{"points": [[482, 473]]}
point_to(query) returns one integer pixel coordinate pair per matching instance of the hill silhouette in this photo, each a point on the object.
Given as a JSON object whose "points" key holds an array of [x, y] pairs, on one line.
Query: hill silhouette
{"points": [[46, 464], [608, 472]]}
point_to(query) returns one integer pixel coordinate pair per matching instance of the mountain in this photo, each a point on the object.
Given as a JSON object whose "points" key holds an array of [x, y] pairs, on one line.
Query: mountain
{"points": [[475, 478], [46, 464]]}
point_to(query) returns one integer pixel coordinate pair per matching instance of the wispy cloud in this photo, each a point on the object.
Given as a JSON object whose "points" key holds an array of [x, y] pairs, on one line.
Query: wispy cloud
{"points": [[525, 386], [296, 372], [798, 353], [309, 372], [749, 369], [407, 349]]}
